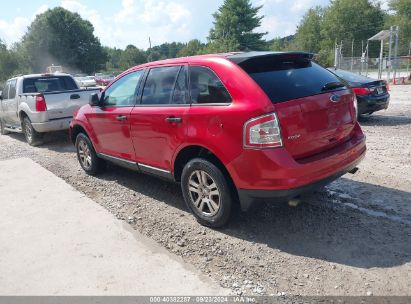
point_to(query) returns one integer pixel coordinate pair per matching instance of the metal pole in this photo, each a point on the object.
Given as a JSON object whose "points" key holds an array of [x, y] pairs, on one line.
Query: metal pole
{"points": [[389, 54], [381, 57], [335, 56], [366, 58], [409, 59], [362, 57], [352, 54], [397, 31], [149, 49]]}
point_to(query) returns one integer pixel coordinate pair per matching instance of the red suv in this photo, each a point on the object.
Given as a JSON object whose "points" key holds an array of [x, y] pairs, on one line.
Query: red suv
{"points": [[230, 128]]}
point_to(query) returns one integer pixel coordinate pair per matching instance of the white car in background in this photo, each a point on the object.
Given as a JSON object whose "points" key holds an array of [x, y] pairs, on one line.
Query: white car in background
{"points": [[86, 82]]}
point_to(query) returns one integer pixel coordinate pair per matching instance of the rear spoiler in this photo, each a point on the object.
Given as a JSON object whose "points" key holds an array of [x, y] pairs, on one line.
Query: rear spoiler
{"points": [[242, 58]]}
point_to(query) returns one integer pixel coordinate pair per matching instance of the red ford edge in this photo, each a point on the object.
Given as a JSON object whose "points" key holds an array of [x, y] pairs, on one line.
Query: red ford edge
{"points": [[238, 127]]}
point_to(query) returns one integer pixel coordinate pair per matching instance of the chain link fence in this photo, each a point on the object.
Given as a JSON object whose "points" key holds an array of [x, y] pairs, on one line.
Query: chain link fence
{"points": [[370, 67]]}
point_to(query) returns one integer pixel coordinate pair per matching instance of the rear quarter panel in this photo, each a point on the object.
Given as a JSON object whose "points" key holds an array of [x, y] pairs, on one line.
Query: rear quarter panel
{"points": [[219, 128], [27, 105]]}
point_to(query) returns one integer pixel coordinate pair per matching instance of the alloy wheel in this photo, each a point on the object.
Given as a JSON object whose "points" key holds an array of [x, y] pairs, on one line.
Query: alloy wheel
{"points": [[204, 193], [84, 154], [28, 132]]}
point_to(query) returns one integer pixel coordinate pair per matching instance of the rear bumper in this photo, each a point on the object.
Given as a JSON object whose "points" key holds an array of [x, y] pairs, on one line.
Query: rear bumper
{"points": [[368, 104], [52, 125], [248, 197], [274, 175]]}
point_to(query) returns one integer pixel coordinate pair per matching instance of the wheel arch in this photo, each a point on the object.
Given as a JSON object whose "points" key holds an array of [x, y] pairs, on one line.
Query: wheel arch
{"points": [[196, 151], [76, 130], [23, 114]]}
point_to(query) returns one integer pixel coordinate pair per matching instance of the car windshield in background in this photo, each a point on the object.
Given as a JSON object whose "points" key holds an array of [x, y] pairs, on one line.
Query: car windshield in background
{"points": [[351, 77], [285, 79], [48, 84]]}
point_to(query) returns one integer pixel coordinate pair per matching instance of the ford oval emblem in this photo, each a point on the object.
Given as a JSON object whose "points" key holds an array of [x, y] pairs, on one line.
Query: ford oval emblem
{"points": [[335, 98]]}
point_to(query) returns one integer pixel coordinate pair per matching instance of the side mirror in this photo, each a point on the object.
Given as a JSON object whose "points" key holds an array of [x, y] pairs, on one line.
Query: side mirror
{"points": [[1, 95], [94, 100]]}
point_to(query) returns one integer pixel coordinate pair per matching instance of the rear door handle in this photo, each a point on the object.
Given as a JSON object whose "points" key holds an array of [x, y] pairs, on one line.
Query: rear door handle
{"points": [[74, 96], [121, 118], [174, 119]]}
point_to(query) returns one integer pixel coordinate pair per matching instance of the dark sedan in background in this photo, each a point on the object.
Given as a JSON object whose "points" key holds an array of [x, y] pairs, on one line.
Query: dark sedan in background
{"points": [[372, 95]]}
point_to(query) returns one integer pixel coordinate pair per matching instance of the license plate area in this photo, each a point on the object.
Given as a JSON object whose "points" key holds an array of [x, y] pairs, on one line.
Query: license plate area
{"points": [[379, 91]]}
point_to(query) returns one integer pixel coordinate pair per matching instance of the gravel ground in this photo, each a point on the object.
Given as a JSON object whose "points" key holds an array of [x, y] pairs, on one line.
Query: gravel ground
{"points": [[352, 238]]}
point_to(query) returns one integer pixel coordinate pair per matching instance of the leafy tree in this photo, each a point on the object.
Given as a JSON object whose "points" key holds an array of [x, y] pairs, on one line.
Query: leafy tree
{"points": [[402, 17], [113, 62], [193, 47], [154, 56], [59, 36], [167, 50], [234, 25], [308, 36], [345, 20], [283, 44], [9, 63], [131, 56]]}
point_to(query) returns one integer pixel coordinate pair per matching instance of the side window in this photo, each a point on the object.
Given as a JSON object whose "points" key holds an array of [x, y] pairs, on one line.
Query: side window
{"points": [[159, 86], [180, 95], [12, 90], [6, 90], [123, 91], [206, 87]]}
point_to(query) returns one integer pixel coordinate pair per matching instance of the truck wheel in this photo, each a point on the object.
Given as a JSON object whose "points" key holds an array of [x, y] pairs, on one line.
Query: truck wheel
{"points": [[2, 128], [87, 156], [33, 137], [206, 192]]}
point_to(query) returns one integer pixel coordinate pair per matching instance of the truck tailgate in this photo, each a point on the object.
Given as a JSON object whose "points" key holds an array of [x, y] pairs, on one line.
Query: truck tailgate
{"points": [[63, 104]]}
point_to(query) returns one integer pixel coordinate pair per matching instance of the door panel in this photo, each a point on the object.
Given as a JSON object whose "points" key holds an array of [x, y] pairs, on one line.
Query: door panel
{"points": [[112, 129], [111, 121], [159, 123], [155, 139], [9, 104], [12, 104]]}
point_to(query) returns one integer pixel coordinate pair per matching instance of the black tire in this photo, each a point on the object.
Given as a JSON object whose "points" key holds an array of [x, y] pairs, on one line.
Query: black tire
{"points": [[2, 128], [205, 211], [88, 159], [33, 137]]}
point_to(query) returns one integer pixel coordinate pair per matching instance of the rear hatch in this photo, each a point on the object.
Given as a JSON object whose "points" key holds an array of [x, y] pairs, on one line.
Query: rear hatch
{"points": [[60, 93], [315, 110]]}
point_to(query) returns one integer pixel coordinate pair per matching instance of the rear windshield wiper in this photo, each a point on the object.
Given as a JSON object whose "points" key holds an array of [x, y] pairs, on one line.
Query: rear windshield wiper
{"points": [[332, 85]]}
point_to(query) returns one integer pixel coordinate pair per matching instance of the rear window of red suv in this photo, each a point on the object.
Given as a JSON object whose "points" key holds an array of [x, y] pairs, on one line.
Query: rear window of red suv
{"points": [[284, 78]]}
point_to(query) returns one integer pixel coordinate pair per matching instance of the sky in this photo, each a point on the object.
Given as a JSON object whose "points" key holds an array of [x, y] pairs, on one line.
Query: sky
{"points": [[118, 23]]}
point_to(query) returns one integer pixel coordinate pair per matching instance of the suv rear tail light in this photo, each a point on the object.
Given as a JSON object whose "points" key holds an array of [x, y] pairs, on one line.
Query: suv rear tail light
{"points": [[355, 103], [361, 91], [387, 86], [263, 132], [40, 104]]}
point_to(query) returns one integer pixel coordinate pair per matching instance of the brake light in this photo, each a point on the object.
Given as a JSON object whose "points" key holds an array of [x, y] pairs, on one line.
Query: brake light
{"points": [[361, 91], [40, 104], [263, 132], [387, 86]]}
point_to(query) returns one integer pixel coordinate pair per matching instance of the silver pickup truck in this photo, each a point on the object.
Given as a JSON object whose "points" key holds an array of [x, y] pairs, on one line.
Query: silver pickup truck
{"points": [[40, 103]]}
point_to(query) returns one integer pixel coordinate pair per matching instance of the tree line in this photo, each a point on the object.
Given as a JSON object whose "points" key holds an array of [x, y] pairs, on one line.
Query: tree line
{"points": [[61, 37]]}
